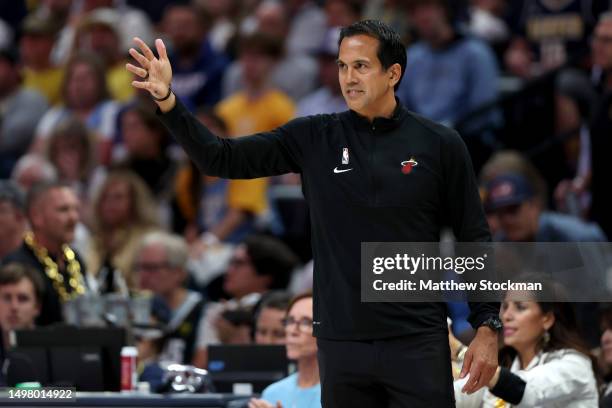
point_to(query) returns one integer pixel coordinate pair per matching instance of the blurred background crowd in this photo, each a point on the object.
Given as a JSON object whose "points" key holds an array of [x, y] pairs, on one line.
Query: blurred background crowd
{"points": [[96, 197]]}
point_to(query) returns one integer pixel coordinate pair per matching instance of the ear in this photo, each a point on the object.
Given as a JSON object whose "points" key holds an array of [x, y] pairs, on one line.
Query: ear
{"points": [[548, 320], [395, 72]]}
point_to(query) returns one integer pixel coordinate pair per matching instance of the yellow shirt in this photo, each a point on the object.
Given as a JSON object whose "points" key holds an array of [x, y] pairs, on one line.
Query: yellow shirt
{"points": [[244, 117], [47, 82], [119, 82]]}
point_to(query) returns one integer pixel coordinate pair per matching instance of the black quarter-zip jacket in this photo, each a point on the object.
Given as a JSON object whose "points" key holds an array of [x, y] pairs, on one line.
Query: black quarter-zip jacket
{"points": [[358, 195]]}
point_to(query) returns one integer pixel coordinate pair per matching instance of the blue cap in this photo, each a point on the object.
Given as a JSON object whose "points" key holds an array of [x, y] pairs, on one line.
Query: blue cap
{"points": [[507, 189]]}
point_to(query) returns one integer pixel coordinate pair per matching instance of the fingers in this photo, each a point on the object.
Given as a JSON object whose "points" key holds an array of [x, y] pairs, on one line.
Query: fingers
{"points": [[161, 49], [475, 374], [141, 72], [140, 58], [467, 363], [146, 51]]}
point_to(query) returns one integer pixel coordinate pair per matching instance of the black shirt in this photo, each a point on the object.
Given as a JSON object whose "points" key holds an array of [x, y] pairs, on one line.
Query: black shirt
{"points": [[51, 310], [357, 195]]}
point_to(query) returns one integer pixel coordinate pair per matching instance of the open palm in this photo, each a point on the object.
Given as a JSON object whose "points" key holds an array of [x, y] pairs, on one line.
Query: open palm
{"points": [[156, 72]]}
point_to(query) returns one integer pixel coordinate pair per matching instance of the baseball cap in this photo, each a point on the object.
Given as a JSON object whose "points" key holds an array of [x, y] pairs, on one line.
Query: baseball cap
{"points": [[506, 190]]}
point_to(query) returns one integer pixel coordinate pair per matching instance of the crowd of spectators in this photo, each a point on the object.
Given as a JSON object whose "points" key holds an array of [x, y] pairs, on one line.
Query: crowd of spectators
{"points": [[96, 197]]}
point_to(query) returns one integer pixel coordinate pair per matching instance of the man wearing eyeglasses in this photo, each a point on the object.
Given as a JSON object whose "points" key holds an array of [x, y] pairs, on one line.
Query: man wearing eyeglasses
{"points": [[160, 263]]}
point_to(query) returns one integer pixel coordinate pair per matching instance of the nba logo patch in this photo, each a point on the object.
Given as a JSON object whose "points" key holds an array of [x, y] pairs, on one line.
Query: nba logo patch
{"points": [[345, 156]]}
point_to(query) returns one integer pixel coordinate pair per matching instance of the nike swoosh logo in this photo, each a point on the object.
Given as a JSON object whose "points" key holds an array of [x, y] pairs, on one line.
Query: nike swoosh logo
{"points": [[341, 171]]}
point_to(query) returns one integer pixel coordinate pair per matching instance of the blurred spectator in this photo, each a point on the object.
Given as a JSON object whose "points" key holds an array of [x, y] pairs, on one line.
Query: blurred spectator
{"points": [[20, 111], [160, 264], [306, 26], [544, 362], [269, 318], [522, 215], [224, 15], [37, 38], [21, 295], [549, 33], [12, 217], [601, 128], [391, 12], [258, 265], [574, 99], [302, 389], [98, 33], [86, 97], [148, 154], [150, 342], [70, 149], [122, 212], [131, 22], [197, 67], [342, 13], [510, 161], [448, 74], [606, 354], [486, 21], [259, 107], [53, 213], [294, 74], [223, 210], [31, 169], [328, 98]]}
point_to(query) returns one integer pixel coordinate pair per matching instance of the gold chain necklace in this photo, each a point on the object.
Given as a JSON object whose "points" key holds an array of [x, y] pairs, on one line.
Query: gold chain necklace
{"points": [[52, 270]]}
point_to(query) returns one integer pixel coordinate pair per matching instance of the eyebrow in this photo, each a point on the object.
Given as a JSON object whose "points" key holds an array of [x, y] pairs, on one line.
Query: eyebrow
{"points": [[361, 61]]}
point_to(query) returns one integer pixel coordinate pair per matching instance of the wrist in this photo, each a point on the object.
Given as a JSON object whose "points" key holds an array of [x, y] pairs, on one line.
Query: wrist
{"points": [[166, 105], [495, 378]]}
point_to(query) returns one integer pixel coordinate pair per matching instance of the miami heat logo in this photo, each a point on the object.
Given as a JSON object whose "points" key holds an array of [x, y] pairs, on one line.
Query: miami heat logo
{"points": [[407, 165]]}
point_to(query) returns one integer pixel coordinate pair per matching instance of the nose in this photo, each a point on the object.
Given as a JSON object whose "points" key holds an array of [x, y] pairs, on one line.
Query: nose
{"points": [[350, 77]]}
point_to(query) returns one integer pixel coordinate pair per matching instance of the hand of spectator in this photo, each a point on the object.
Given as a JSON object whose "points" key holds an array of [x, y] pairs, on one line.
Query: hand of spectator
{"points": [[480, 360], [155, 72], [259, 403]]}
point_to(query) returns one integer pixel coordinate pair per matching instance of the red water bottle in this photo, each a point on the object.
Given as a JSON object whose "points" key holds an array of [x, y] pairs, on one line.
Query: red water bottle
{"points": [[129, 377]]}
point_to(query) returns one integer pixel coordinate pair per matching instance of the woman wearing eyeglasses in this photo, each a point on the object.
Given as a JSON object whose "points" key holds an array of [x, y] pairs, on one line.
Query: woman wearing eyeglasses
{"points": [[302, 389]]}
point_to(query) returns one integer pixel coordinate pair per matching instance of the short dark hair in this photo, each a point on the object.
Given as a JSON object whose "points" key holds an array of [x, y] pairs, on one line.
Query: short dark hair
{"points": [[271, 257], [14, 272], [391, 50], [276, 299], [261, 43], [40, 189]]}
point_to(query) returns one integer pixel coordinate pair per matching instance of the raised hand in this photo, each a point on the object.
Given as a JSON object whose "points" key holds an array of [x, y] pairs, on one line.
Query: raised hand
{"points": [[155, 72]]}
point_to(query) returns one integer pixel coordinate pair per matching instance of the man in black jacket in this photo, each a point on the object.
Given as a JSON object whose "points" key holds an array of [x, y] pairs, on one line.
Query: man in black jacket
{"points": [[374, 173]]}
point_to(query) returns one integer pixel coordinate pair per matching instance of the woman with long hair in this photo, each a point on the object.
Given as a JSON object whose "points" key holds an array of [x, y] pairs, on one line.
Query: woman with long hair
{"points": [[544, 361], [123, 211]]}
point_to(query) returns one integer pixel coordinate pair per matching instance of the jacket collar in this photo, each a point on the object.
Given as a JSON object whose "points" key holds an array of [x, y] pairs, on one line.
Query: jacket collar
{"points": [[380, 123]]}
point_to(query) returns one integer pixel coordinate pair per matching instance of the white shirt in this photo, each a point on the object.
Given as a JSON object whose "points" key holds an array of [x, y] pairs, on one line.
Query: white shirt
{"points": [[562, 378]]}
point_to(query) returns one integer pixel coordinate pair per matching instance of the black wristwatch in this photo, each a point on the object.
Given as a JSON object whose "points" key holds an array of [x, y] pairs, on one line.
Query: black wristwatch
{"points": [[494, 323]]}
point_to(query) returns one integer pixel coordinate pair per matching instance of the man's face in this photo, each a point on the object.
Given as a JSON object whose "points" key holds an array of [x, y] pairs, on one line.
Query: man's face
{"points": [[428, 20], [182, 26], [18, 305], [35, 49], [255, 66], [269, 327], [55, 215], [602, 45], [155, 273], [241, 277], [364, 82], [519, 222]]}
